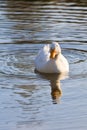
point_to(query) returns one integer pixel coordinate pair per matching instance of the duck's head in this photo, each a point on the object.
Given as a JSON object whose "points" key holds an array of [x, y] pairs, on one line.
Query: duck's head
{"points": [[54, 50]]}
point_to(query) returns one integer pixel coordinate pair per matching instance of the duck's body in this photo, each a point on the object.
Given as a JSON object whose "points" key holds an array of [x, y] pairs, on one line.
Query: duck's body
{"points": [[50, 60]]}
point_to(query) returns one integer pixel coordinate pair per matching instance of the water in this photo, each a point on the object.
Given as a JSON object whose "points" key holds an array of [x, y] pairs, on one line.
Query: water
{"points": [[28, 100]]}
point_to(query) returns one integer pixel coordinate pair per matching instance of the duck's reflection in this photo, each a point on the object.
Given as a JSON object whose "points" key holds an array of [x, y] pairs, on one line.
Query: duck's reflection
{"points": [[56, 91]]}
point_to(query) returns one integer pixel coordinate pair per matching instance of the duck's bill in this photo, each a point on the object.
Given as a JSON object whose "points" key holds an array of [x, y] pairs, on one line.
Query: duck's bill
{"points": [[53, 53]]}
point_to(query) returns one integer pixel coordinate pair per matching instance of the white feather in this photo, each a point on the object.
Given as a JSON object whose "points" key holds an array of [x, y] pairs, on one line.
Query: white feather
{"points": [[44, 64]]}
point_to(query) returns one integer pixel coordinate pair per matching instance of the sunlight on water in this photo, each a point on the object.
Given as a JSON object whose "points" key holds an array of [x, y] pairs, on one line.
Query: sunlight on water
{"points": [[29, 100]]}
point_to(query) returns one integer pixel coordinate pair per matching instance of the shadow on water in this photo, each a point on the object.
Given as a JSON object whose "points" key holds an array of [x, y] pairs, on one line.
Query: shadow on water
{"points": [[55, 84]]}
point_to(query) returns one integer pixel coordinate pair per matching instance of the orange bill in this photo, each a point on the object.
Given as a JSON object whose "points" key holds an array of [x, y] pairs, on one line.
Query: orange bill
{"points": [[53, 53]]}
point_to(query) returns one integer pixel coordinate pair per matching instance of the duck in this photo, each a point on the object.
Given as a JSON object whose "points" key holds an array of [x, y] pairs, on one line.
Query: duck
{"points": [[51, 60]]}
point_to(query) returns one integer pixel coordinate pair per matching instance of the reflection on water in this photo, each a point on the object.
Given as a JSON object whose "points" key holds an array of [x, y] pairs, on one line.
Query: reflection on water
{"points": [[56, 91], [33, 22], [31, 100]]}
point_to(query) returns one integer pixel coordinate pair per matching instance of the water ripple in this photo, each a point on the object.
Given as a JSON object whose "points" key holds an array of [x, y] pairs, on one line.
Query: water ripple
{"points": [[23, 21], [26, 97]]}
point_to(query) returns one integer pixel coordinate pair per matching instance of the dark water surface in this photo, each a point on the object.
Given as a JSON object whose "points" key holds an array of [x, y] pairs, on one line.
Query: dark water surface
{"points": [[29, 100]]}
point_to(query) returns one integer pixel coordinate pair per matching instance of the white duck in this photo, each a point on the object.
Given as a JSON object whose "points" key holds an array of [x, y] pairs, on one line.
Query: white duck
{"points": [[51, 60]]}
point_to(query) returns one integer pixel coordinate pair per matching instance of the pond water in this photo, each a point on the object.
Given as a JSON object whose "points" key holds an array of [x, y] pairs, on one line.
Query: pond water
{"points": [[27, 99]]}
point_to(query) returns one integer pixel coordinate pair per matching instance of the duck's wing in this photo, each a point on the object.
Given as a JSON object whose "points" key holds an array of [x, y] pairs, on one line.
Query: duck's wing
{"points": [[44, 53]]}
